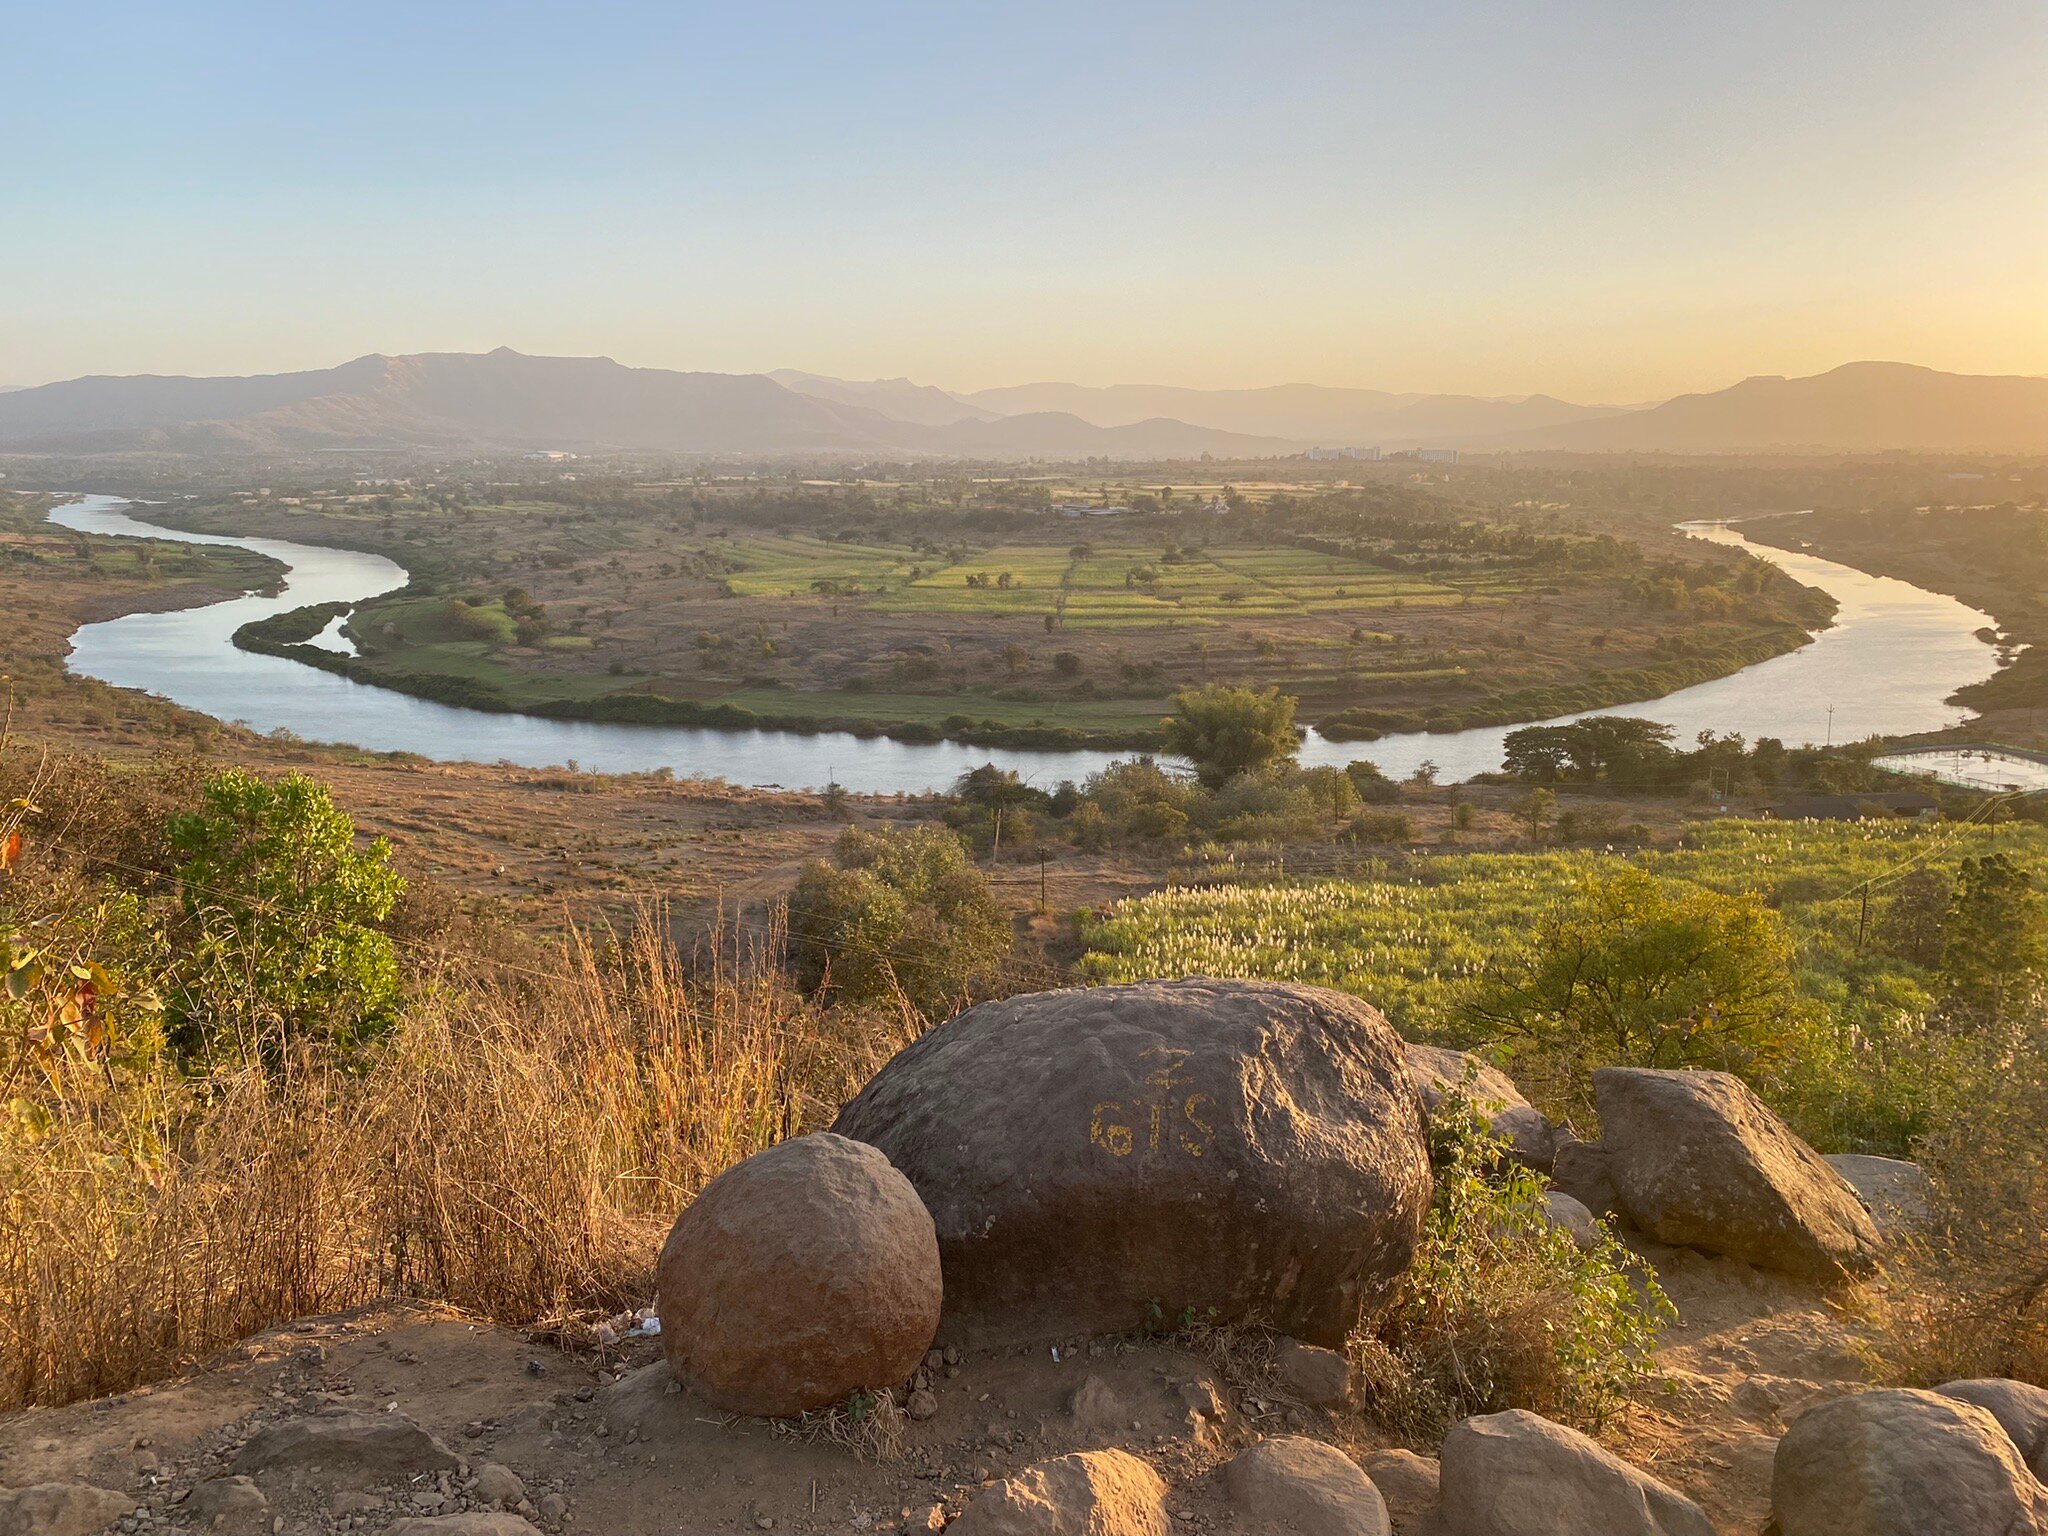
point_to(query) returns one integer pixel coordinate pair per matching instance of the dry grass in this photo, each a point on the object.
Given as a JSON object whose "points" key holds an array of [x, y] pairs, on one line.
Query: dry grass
{"points": [[516, 1150]]}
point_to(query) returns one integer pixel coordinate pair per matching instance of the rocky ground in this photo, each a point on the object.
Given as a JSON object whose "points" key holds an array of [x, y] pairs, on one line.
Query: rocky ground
{"points": [[599, 1440]]}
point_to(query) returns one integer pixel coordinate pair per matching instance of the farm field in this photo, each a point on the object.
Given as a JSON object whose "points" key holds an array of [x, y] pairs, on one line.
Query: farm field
{"points": [[1418, 941], [908, 606]]}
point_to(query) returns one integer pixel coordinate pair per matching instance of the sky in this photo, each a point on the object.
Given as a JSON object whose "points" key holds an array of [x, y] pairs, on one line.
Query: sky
{"points": [[1610, 202]]}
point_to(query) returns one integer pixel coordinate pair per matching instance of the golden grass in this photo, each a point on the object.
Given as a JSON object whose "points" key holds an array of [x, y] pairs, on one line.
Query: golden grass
{"points": [[516, 1149]]}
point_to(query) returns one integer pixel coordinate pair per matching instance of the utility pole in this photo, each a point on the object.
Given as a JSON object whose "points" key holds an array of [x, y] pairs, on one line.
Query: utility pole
{"points": [[1041, 885], [1831, 725]]}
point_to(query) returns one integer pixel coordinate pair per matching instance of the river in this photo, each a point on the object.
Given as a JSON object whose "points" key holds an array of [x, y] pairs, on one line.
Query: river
{"points": [[1894, 654]]}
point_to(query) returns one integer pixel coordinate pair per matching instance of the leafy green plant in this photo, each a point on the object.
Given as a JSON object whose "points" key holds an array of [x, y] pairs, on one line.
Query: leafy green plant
{"points": [[1501, 1309], [284, 910]]}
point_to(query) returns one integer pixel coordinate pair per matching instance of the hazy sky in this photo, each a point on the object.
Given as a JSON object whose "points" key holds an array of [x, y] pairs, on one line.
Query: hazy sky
{"points": [[1608, 201]]}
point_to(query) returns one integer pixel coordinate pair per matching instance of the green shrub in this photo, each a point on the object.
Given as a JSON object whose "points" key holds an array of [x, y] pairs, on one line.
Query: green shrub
{"points": [[896, 917], [283, 910], [1501, 1309]]}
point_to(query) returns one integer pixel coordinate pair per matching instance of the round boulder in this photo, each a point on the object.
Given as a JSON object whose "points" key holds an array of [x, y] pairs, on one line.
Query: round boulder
{"points": [[803, 1274], [1226, 1150], [1292, 1483], [1903, 1463]]}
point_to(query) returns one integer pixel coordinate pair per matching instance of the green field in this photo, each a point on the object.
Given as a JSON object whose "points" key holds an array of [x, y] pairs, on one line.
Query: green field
{"points": [[1122, 586], [1413, 944], [787, 565]]}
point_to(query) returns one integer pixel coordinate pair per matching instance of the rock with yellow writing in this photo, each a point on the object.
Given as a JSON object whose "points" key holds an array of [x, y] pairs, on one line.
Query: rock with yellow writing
{"points": [[1202, 1150]]}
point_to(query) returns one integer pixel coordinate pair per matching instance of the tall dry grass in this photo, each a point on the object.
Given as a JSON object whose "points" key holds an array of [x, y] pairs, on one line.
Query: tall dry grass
{"points": [[517, 1148]]}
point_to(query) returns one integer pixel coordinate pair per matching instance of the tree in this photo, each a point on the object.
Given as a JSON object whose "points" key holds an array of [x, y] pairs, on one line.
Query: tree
{"points": [[1992, 943], [1535, 810], [1634, 971], [896, 917], [1225, 731], [286, 908]]}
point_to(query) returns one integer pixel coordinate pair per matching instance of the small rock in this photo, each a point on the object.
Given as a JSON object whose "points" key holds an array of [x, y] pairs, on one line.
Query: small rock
{"points": [[798, 1276], [1091, 1493], [1408, 1483], [1699, 1161], [473, 1524], [1319, 1377], [553, 1507], [60, 1509], [497, 1486], [1584, 1172], [2021, 1411], [1529, 1135], [921, 1405], [1296, 1484], [231, 1504], [353, 1446], [1897, 1194], [1570, 1216]]}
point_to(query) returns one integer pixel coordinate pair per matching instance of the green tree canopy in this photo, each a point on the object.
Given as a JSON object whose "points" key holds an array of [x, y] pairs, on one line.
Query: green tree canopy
{"points": [[1631, 970], [1225, 731]]}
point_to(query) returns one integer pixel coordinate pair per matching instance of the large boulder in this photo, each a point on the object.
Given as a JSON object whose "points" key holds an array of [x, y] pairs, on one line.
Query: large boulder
{"points": [[60, 1509], [1897, 1194], [2021, 1411], [1090, 1493], [1294, 1484], [1241, 1150], [797, 1277], [1492, 1093], [1698, 1161], [1903, 1463], [1518, 1474]]}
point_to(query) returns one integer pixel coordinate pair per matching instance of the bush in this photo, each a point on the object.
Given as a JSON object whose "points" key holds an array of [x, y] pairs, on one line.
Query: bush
{"points": [[1381, 827], [1501, 1309], [896, 917], [285, 910]]}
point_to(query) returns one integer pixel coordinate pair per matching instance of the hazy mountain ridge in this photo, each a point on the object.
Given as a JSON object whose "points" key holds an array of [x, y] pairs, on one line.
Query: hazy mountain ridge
{"points": [[1857, 408], [505, 400], [1310, 413]]}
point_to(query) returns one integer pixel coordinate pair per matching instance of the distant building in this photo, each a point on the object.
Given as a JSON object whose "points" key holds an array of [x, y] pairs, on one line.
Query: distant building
{"points": [[1085, 509], [1857, 807], [1342, 453], [1437, 455]]}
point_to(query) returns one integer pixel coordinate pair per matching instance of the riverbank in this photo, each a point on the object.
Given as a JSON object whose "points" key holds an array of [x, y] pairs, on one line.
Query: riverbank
{"points": [[1892, 656]]}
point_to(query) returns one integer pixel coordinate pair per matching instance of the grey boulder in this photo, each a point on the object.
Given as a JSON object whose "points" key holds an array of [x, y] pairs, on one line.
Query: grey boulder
{"points": [[1903, 1463], [1526, 1129], [1699, 1161], [1518, 1474]]}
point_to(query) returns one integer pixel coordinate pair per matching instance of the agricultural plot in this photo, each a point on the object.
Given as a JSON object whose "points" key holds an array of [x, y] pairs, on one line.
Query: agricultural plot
{"points": [[1121, 586], [789, 565], [1413, 945]]}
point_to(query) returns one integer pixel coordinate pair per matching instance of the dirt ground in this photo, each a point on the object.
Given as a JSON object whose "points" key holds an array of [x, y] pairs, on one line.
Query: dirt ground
{"points": [[605, 1432]]}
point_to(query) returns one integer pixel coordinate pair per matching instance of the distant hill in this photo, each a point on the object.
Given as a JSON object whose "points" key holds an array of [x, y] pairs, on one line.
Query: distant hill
{"points": [[1857, 408], [919, 404], [507, 400], [1307, 413]]}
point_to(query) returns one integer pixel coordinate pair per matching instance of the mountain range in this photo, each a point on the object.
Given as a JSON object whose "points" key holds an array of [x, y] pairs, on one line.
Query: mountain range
{"points": [[505, 400]]}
